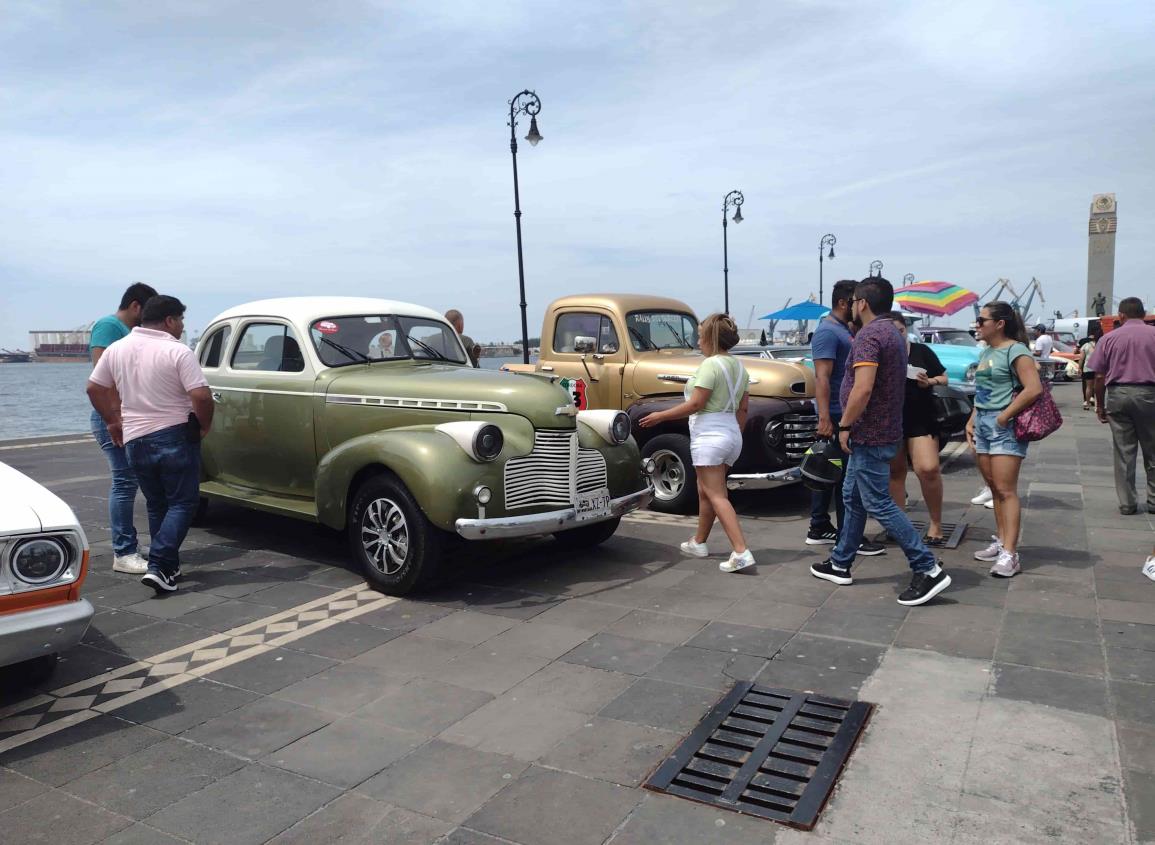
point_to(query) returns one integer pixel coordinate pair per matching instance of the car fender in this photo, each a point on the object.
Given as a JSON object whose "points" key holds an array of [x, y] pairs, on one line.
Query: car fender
{"points": [[438, 472]]}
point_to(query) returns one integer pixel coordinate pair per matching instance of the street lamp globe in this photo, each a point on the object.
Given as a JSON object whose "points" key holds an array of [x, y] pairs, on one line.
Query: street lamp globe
{"points": [[533, 136], [738, 218]]}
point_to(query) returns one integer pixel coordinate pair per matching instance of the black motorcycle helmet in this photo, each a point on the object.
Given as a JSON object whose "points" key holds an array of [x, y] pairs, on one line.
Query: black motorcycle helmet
{"points": [[822, 465]]}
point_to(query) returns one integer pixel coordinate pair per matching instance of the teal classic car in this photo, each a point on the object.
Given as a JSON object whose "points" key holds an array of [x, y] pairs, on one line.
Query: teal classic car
{"points": [[365, 415], [958, 351]]}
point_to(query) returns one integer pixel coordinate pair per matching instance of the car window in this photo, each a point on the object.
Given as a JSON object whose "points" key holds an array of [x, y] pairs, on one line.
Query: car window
{"points": [[661, 330], [959, 338], [574, 325], [367, 338], [268, 347], [214, 347]]}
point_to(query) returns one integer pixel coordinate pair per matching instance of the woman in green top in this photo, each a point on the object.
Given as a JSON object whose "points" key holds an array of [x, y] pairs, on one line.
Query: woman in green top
{"points": [[716, 401], [1006, 365]]}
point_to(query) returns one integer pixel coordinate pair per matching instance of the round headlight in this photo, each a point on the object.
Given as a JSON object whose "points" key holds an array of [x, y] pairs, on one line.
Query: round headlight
{"points": [[774, 432], [39, 561], [620, 428], [971, 372], [483, 494], [487, 442], [650, 466]]}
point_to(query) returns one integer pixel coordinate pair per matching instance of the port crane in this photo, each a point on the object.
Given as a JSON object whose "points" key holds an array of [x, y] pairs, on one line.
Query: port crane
{"points": [[995, 292]]}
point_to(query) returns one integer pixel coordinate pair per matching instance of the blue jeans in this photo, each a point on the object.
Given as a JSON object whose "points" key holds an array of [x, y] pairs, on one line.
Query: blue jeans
{"points": [[122, 495], [168, 469], [865, 490], [820, 501]]}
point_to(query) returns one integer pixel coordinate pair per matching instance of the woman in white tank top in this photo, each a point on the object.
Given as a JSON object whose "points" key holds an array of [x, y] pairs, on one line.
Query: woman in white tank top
{"points": [[716, 400]]}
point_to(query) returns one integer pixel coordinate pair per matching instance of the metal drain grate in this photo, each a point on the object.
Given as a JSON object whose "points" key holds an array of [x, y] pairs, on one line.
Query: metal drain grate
{"points": [[952, 531], [766, 752]]}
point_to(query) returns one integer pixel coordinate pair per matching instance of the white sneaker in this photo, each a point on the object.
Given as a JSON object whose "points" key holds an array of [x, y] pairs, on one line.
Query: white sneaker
{"points": [[984, 496], [692, 548], [132, 564], [737, 561], [991, 552], [1149, 568], [990, 505], [1007, 566]]}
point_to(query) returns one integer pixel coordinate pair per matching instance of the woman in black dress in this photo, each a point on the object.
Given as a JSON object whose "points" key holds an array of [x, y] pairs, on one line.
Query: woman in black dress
{"points": [[920, 432]]}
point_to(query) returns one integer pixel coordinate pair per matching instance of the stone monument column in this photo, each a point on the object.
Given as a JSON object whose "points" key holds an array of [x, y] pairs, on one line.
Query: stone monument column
{"points": [[1101, 254]]}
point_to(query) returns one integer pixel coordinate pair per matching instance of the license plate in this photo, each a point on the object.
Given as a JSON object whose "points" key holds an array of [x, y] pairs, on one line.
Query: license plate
{"points": [[593, 505]]}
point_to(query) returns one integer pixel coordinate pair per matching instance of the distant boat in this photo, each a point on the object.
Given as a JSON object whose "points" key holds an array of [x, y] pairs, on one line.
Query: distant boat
{"points": [[15, 356]]}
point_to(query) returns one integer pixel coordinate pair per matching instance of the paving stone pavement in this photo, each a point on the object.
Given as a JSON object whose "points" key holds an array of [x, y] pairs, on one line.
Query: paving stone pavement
{"points": [[526, 699]]}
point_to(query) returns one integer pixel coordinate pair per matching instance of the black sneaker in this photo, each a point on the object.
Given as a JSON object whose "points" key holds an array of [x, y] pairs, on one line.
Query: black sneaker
{"points": [[827, 571], [871, 549], [824, 536], [159, 581], [924, 587]]}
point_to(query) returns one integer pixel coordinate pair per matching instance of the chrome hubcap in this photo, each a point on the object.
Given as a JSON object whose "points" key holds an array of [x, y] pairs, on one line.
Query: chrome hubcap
{"points": [[669, 474], [385, 536]]}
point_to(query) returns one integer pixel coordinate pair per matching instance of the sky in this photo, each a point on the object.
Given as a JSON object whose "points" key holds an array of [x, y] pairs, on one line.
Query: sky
{"points": [[231, 150]]}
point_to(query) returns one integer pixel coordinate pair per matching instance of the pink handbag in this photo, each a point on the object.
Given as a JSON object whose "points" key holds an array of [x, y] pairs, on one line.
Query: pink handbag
{"points": [[1041, 418]]}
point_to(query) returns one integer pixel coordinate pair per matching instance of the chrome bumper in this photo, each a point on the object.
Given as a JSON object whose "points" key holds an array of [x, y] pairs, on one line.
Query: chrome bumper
{"points": [[505, 527], [763, 480], [25, 634]]}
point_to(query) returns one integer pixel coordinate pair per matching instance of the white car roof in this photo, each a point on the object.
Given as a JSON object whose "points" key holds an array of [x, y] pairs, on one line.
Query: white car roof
{"points": [[303, 310]]}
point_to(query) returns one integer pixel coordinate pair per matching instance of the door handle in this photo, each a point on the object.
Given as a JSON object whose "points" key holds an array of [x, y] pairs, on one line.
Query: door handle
{"points": [[216, 396], [546, 368]]}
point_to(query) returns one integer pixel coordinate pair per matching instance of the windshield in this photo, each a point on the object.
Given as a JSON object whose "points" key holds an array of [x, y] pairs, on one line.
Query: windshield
{"points": [[959, 338], [365, 338], [650, 330]]}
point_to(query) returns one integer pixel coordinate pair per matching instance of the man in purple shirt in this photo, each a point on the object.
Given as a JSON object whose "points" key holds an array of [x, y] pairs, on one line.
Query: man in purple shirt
{"points": [[1124, 367], [873, 390]]}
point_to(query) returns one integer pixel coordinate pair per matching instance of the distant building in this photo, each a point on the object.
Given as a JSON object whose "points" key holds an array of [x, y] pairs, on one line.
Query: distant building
{"points": [[61, 346]]}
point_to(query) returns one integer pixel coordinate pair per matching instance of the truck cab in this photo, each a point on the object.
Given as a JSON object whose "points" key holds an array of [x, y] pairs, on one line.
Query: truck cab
{"points": [[636, 353]]}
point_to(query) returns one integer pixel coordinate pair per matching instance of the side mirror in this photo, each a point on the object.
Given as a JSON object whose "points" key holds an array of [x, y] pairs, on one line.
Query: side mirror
{"points": [[584, 344]]}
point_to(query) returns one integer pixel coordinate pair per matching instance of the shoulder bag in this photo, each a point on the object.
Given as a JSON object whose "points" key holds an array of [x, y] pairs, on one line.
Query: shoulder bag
{"points": [[1042, 418]]}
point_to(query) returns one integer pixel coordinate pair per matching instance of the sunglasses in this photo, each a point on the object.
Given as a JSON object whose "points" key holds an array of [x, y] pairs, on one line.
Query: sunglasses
{"points": [[980, 320]]}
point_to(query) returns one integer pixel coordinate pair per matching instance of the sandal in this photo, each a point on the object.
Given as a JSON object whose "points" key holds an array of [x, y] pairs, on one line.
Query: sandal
{"points": [[935, 542]]}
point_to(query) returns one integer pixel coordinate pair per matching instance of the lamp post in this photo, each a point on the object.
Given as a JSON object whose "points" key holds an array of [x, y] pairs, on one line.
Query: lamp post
{"points": [[735, 199], [908, 279], [827, 241], [876, 268], [525, 102]]}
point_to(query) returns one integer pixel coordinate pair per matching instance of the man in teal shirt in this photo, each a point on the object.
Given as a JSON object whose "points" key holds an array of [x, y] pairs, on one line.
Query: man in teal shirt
{"points": [[122, 496]]}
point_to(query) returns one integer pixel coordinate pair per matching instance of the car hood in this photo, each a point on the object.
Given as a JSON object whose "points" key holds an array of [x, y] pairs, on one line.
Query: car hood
{"points": [[666, 371], [26, 506], [454, 388]]}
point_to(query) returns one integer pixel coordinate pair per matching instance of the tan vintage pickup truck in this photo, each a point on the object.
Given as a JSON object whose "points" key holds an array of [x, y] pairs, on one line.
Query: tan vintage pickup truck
{"points": [[636, 353]]}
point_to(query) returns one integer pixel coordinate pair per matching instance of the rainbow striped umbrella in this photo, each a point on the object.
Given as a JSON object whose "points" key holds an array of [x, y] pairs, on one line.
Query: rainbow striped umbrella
{"points": [[938, 298]]}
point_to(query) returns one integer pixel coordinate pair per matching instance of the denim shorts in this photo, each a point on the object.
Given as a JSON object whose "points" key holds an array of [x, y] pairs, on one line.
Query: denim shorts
{"points": [[992, 439]]}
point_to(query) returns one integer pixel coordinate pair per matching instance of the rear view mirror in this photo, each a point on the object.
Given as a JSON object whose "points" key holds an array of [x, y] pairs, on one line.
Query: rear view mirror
{"points": [[584, 344]]}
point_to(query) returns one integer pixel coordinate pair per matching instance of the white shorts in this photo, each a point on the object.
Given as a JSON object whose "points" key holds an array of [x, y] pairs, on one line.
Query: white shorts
{"points": [[714, 440]]}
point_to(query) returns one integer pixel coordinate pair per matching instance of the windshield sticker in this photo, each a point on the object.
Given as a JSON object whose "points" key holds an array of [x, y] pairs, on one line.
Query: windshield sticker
{"points": [[576, 388], [327, 327]]}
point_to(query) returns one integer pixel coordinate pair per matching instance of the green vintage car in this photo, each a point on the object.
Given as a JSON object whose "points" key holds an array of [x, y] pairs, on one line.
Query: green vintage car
{"points": [[364, 415]]}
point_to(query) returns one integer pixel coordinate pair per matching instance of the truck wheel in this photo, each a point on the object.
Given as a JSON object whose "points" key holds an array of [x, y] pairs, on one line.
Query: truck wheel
{"points": [[398, 548], [588, 536], [675, 481], [202, 512]]}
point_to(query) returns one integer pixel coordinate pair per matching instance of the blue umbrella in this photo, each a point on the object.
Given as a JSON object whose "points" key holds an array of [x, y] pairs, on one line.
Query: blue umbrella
{"points": [[801, 311]]}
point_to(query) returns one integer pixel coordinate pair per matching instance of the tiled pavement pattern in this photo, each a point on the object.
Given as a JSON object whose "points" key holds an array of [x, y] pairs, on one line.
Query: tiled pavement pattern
{"points": [[525, 701]]}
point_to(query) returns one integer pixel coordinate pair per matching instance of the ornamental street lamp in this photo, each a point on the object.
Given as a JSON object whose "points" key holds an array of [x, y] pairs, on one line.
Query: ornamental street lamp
{"points": [[827, 241], [908, 279], [735, 199], [876, 268], [526, 102]]}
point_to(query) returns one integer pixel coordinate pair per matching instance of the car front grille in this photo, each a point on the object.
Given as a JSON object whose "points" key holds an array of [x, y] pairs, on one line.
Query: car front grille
{"points": [[552, 472], [800, 432]]}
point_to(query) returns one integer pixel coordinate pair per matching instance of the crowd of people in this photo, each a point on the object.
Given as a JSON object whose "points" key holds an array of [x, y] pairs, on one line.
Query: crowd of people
{"points": [[152, 407]]}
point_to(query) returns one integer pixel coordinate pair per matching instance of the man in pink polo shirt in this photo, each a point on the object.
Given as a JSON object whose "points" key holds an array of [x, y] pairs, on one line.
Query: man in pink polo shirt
{"points": [[1124, 367], [152, 395]]}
